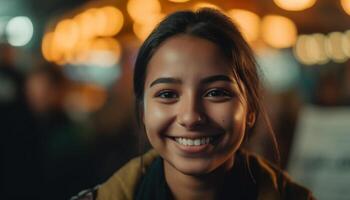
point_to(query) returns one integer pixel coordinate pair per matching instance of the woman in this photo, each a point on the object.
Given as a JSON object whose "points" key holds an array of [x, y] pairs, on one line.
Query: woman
{"points": [[197, 93]]}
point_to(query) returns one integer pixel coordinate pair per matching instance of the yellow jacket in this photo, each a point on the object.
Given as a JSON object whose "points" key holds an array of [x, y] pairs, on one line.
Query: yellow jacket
{"points": [[122, 185]]}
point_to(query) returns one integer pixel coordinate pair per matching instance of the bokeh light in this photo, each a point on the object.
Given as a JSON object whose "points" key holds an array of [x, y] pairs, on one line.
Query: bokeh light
{"points": [[114, 21], [179, 1], [248, 22], [105, 21], [104, 52], [140, 10], [278, 31], [66, 36], [85, 38], [142, 30], [19, 31], [334, 48], [86, 24], [300, 50], [316, 48], [310, 49], [295, 5], [346, 43], [200, 5], [345, 5], [46, 46]]}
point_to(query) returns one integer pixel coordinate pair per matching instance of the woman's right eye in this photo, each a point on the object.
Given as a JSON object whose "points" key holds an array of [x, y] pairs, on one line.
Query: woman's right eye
{"points": [[167, 95]]}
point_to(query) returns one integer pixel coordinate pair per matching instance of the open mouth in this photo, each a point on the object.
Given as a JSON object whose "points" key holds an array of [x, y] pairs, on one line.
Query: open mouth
{"points": [[195, 141]]}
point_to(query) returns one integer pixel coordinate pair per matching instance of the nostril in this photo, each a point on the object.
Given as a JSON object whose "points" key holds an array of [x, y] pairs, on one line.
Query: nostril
{"points": [[191, 122], [190, 113]]}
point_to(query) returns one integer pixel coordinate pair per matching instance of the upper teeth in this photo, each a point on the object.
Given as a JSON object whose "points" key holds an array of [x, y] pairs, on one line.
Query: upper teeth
{"points": [[193, 142]]}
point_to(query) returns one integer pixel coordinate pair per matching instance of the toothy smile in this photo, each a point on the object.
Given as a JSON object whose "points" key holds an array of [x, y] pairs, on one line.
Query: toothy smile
{"points": [[194, 141]]}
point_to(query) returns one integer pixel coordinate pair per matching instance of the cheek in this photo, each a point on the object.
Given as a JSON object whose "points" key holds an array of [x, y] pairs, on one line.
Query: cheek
{"points": [[239, 119], [156, 118], [230, 116]]}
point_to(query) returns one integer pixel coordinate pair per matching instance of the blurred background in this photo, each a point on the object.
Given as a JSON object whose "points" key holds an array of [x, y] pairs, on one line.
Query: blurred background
{"points": [[66, 105]]}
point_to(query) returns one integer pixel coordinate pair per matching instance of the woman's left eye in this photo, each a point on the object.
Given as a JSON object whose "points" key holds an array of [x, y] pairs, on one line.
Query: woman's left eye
{"points": [[219, 93]]}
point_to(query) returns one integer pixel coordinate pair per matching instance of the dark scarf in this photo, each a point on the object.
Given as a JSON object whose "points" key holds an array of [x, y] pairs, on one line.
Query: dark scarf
{"points": [[239, 184]]}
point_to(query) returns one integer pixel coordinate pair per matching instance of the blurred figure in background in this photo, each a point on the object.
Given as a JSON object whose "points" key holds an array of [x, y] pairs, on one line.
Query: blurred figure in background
{"points": [[20, 161], [65, 153], [45, 88], [328, 91]]}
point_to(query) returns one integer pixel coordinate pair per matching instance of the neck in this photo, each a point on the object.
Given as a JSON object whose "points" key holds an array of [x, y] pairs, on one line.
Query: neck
{"points": [[193, 187]]}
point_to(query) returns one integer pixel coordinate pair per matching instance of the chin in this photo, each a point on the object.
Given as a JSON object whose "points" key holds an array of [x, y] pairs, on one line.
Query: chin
{"points": [[194, 166]]}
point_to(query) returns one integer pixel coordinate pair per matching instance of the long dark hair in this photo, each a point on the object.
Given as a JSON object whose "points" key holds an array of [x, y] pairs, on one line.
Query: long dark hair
{"points": [[214, 26]]}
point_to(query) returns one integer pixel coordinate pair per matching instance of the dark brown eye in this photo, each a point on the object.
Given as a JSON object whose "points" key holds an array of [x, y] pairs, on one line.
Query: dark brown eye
{"points": [[218, 93], [167, 95]]}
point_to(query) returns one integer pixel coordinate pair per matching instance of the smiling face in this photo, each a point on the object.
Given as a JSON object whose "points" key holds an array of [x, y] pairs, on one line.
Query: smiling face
{"points": [[194, 113]]}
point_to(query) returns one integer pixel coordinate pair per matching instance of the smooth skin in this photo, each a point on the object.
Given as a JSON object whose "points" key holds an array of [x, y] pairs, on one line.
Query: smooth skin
{"points": [[191, 92]]}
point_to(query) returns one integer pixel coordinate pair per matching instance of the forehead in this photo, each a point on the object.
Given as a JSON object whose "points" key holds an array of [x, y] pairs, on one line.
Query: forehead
{"points": [[184, 55]]}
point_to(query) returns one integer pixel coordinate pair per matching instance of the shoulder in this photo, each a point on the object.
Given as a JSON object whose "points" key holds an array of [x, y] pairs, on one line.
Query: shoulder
{"points": [[121, 185], [273, 182]]}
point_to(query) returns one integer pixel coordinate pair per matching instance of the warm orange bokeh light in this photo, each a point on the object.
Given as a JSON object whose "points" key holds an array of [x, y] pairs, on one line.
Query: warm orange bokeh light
{"points": [[179, 1], [106, 44], [81, 52], [248, 22], [105, 21], [200, 5], [115, 47], [278, 31], [346, 6], [99, 44], [99, 22], [143, 30], [295, 5], [73, 39], [46, 46], [140, 10], [65, 38], [86, 23], [99, 52], [114, 21]]}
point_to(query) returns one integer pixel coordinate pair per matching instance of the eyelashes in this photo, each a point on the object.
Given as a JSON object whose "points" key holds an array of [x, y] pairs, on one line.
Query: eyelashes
{"points": [[167, 94], [216, 94]]}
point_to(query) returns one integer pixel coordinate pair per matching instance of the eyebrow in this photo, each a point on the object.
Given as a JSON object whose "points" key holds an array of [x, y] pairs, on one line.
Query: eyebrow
{"points": [[206, 80], [215, 78], [165, 80]]}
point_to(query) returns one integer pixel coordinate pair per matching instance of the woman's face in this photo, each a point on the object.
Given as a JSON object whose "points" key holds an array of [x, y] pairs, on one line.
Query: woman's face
{"points": [[194, 113]]}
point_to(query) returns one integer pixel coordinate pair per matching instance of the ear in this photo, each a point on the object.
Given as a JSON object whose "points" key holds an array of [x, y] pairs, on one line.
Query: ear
{"points": [[251, 117]]}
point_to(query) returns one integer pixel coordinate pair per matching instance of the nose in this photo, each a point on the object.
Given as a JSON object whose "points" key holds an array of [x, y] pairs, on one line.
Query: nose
{"points": [[191, 113]]}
